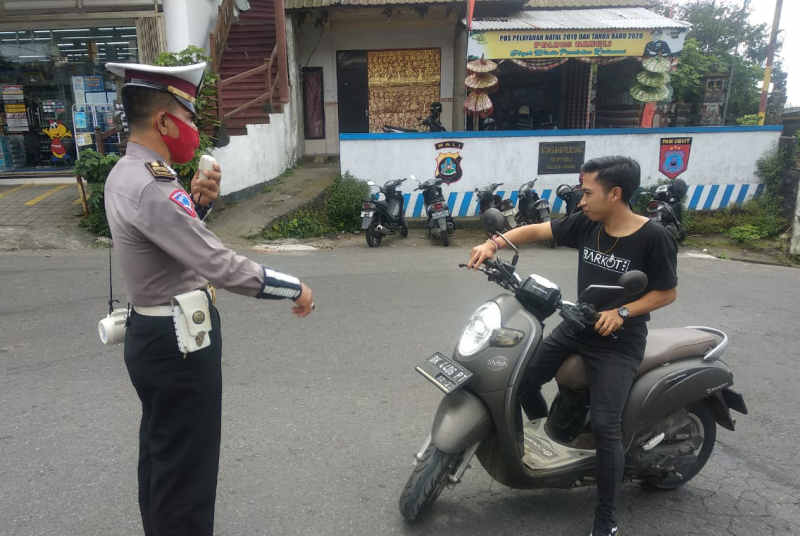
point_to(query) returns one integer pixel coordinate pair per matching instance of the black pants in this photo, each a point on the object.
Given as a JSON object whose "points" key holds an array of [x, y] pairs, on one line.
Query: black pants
{"points": [[611, 366], [180, 430]]}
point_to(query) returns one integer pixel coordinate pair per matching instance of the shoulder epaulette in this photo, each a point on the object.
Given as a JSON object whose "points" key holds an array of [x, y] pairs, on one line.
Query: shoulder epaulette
{"points": [[160, 170]]}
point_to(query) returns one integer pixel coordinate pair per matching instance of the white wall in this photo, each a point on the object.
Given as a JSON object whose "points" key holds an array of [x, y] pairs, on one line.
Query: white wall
{"points": [[719, 156], [366, 29], [188, 22]]}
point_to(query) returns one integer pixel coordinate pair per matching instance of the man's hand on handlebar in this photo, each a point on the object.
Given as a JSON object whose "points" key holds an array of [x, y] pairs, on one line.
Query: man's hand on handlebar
{"points": [[608, 322], [482, 252]]}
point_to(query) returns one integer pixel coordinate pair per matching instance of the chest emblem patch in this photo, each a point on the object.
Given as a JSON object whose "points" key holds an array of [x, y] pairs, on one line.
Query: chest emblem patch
{"points": [[182, 199]]}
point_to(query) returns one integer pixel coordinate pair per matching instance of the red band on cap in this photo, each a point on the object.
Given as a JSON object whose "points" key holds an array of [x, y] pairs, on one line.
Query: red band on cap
{"points": [[163, 80]]}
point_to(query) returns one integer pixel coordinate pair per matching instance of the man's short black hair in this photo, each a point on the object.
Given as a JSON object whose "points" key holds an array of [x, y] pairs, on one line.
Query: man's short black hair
{"points": [[613, 171], [141, 102]]}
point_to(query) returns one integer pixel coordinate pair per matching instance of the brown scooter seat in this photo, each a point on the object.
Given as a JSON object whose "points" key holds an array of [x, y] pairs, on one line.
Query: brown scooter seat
{"points": [[663, 346]]}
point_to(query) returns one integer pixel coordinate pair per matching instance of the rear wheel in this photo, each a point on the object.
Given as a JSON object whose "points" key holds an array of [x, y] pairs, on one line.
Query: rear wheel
{"points": [[445, 238], [427, 481], [697, 423], [372, 235], [404, 231]]}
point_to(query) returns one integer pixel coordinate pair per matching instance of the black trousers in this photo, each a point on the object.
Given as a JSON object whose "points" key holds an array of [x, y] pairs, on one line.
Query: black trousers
{"points": [[611, 366], [179, 435]]}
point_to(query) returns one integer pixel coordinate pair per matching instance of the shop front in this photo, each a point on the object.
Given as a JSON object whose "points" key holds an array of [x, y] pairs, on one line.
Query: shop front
{"points": [[571, 69], [55, 93], [370, 69]]}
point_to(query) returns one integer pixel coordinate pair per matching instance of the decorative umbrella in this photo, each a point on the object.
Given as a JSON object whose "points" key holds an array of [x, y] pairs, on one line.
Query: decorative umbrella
{"points": [[478, 102], [480, 81], [481, 66], [483, 81], [650, 94], [657, 64], [646, 78]]}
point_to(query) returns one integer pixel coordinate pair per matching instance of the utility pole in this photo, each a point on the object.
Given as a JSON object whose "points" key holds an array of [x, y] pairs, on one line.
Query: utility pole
{"points": [[762, 109]]}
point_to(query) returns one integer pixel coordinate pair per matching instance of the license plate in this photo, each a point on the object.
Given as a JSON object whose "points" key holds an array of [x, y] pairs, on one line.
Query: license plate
{"points": [[440, 214], [366, 214], [444, 373], [365, 222], [510, 212]]}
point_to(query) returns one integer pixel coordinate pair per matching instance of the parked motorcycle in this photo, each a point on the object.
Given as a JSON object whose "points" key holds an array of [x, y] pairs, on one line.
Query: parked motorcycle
{"points": [[487, 199], [532, 208], [383, 217], [440, 223], [432, 123], [682, 391], [666, 207], [571, 196]]}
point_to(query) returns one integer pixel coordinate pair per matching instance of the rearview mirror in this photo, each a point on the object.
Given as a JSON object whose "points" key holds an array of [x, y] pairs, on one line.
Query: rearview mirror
{"points": [[634, 282]]}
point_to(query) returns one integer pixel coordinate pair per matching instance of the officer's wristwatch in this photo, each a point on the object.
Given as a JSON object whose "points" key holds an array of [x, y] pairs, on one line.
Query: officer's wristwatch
{"points": [[623, 312]]}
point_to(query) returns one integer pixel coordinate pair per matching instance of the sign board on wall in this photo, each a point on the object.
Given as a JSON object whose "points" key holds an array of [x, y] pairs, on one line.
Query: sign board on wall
{"points": [[585, 43], [674, 156], [561, 157]]}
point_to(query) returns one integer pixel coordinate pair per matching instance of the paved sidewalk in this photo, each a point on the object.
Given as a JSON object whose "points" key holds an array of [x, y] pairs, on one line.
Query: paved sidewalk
{"points": [[36, 215]]}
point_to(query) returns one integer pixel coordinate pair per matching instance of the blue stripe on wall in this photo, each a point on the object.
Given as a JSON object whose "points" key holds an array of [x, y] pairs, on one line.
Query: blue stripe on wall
{"points": [[759, 190], [711, 195], [742, 194], [698, 192], [465, 204], [546, 193], [406, 201], [451, 201], [418, 207], [557, 204], [513, 197], [726, 197]]}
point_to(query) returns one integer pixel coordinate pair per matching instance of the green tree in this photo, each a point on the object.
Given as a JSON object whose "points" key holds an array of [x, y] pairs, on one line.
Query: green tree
{"points": [[721, 39]]}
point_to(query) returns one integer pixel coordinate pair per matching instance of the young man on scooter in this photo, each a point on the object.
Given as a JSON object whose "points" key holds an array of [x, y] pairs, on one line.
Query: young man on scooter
{"points": [[611, 240]]}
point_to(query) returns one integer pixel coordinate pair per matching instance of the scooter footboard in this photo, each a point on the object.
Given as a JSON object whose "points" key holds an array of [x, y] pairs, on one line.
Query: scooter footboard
{"points": [[461, 421], [667, 389]]}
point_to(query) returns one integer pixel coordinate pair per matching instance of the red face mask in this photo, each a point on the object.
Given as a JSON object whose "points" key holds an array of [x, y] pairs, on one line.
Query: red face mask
{"points": [[182, 148]]}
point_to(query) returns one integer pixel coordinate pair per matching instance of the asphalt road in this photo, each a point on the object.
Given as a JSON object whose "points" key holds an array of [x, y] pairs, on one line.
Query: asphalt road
{"points": [[322, 415]]}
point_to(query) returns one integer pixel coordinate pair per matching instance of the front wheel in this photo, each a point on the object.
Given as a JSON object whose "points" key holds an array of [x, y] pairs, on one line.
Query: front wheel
{"points": [[427, 481], [697, 423]]}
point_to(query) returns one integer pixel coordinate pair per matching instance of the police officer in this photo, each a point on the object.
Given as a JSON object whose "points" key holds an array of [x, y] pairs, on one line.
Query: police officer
{"points": [[166, 252]]}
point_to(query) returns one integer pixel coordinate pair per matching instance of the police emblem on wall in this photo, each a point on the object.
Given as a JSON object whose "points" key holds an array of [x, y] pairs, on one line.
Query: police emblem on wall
{"points": [[674, 158], [448, 161]]}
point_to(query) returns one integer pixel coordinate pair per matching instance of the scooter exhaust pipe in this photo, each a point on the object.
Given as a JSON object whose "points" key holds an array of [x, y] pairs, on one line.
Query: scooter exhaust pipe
{"points": [[381, 229]]}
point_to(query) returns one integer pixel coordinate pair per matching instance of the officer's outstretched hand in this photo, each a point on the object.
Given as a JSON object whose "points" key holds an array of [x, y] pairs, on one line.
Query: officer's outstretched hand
{"points": [[205, 186], [304, 304]]}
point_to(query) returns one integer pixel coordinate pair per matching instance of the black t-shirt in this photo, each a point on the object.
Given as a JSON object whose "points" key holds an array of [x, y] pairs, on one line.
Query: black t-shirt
{"points": [[603, 258]]}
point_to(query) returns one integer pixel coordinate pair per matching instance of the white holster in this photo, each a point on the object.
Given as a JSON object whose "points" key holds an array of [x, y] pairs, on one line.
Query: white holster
{"points": [[192, 317]]}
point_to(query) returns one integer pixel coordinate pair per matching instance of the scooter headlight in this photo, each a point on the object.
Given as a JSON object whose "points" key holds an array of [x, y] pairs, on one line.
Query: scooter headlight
{"points": [[479, 329]]}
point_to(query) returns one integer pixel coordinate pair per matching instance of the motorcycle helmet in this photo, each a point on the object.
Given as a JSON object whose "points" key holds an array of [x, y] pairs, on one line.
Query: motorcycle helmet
{"points": [[493, 221], [679, 188]]}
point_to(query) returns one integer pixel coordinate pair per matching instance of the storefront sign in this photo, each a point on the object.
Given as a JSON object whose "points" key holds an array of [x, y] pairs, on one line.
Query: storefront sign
{"points": [[561, 157], [544, 44], [674, 157]]}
